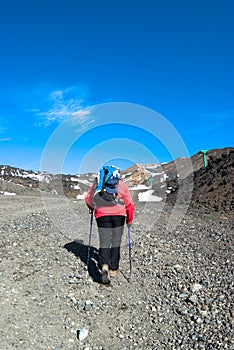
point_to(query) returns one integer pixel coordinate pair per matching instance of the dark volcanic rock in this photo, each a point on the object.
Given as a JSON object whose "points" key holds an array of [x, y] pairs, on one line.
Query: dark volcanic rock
{"points": [[213, 186]]}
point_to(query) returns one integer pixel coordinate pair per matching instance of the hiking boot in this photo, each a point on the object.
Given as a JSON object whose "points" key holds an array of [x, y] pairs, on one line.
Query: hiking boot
{"points": [[105, 274], [114, 272]]}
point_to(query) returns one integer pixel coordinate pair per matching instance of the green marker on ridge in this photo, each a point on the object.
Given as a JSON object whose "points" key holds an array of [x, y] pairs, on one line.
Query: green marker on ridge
{"points": [[204, 152]]}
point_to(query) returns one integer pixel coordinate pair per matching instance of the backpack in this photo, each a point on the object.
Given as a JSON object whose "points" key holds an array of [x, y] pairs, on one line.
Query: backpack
{"points": [[106, 191]]}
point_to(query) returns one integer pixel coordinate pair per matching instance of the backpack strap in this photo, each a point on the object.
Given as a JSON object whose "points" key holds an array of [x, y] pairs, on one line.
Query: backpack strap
{"points": [[104, 179]]}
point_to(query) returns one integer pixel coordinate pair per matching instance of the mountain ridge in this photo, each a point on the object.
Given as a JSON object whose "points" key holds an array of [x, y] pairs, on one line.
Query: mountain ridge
{"points": [[162, 180]]}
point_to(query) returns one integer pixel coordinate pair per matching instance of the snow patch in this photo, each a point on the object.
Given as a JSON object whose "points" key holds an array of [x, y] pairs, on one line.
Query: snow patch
{"points": [[74, 179], [85, 182], [81, 196], [8, 193], [148, 197], [139, 187]]}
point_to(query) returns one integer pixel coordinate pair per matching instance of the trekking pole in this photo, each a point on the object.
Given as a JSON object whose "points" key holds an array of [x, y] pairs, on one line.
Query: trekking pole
{"points": [[90, 235], [130, 249]]}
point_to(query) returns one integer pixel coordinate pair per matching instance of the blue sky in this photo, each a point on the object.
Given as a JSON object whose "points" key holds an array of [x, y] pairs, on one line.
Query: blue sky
{"points": [[60, 58]]}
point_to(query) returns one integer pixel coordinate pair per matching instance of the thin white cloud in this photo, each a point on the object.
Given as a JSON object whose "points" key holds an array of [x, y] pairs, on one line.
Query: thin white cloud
{"points": [[219, 117], [61, 105], [212, 121], [206, 128], [82, 118], [4, 139]]}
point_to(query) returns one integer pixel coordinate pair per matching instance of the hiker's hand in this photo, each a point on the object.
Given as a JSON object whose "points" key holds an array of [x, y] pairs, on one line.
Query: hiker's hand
{"points": [[129, 225]]}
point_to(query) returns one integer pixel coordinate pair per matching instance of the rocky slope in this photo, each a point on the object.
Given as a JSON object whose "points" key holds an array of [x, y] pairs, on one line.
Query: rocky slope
{"points": [[162, 181], [213, 186], [179, 296], [28, 182]]}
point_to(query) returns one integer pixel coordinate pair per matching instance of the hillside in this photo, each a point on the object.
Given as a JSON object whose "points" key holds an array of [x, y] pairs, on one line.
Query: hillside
{"points": [[179, 295], [29, 182], [212, 186]]}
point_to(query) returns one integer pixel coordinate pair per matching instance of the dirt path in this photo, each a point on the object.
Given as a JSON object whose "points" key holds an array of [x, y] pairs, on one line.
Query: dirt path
{"points": [[48, 295]]}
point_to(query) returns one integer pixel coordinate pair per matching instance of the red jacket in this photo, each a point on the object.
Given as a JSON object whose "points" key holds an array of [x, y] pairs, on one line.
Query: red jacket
{"points": [[126, 209]]}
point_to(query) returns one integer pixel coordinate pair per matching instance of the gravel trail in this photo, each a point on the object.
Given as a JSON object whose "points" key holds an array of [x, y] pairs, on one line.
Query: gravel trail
{"points": [[180, 294]]}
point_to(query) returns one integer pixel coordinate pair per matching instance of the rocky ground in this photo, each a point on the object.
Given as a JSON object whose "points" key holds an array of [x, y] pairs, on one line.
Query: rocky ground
{"points": [[179, 296], [213, 186]]}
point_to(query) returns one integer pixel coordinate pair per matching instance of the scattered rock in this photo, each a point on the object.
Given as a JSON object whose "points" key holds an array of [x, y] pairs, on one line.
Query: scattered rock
{"points": [[88, 305], [179, 296], [195, 287], [82, 333]]}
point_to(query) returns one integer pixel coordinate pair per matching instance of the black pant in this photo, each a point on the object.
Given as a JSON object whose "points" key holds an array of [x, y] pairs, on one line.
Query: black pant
{"points": [[110, 229]]}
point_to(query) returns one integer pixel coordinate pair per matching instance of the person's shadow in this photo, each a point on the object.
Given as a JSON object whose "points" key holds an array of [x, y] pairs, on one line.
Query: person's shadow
{"points": [[86, 253]]}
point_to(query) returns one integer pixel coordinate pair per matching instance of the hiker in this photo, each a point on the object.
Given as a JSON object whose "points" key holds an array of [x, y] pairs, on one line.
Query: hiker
{"points": [[110, 217]]}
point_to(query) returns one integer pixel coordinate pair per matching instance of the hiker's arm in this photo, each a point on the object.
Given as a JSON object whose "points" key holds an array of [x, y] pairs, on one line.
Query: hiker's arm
{"points": [[129, 205], [89, 198], [130, 213]]}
